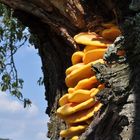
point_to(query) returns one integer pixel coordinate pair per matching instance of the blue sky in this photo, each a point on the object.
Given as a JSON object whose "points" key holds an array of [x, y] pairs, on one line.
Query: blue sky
{"points": [[16, 122]]}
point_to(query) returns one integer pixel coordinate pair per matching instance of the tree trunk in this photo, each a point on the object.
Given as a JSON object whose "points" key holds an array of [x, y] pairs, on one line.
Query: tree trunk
{"points": [[55, 23]]}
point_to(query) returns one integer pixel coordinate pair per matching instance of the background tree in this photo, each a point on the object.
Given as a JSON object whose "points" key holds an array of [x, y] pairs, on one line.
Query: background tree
{"points": [[55, 23]]}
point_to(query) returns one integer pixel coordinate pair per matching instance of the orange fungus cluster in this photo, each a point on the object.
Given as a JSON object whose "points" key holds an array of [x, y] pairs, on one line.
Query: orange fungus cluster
{"points": [[77, 107]]}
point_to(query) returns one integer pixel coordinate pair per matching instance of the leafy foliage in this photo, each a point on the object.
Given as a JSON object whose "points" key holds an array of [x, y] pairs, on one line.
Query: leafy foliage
{"points": [[40, 81], [13, 35]]}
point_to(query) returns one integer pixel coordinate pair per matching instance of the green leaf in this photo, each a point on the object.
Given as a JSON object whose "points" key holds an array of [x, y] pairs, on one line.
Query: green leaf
{"points": [[27, 102], [40, 81], [6, 78], [17, 93], [13, 35], [4, 87], [15, 84]]}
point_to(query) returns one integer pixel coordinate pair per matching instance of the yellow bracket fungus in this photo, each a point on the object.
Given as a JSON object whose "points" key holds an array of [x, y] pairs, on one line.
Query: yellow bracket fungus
{"points": [[111, 34], [83, 115], [81, 73], [63, 100], [74, 67], [87, 83], [75, 138], [77, 57], [77, 107], [89, 48], [93, 55], [72, 131], [71, 90], [90, 39], [71, 108], [79, 96], [99, 88]]}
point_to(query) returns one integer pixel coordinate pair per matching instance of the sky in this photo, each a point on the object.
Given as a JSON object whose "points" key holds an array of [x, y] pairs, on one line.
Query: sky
{"points": [[17, 123]]}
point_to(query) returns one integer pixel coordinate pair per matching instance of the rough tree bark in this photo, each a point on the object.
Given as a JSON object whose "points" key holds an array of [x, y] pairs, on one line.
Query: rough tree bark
{"points": [[55, 23]]}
